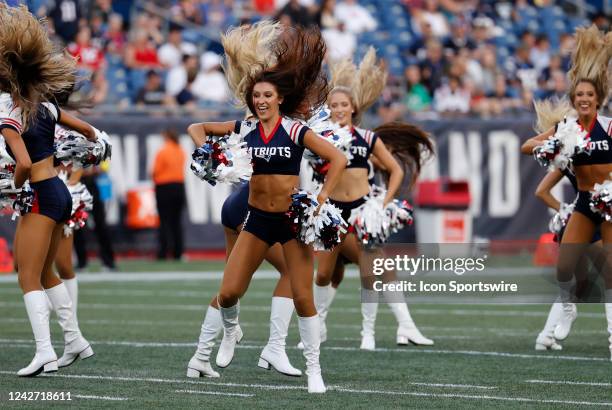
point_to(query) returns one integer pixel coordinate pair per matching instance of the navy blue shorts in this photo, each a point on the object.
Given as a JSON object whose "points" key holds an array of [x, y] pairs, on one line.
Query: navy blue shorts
{"points": [[235, 207], [270, 227], [347, 207], [582, 206], [52, 199]]}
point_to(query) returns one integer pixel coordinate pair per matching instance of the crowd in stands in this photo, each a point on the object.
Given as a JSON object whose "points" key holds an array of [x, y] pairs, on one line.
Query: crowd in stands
{"points": [[444, 57]]}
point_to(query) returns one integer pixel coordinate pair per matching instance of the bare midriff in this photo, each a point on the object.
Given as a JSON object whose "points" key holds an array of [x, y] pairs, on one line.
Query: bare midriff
{"points": [[352, 186], [42, 170], [272, 193], [589, 175]]}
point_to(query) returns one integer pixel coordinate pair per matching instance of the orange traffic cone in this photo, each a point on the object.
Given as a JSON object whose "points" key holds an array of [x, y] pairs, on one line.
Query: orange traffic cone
{"points": [[6, 258], [547, 251]]}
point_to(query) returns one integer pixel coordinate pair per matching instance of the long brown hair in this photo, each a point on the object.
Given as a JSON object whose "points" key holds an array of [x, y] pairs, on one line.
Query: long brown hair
{"points": [[31, 69], [297, 74], [408, 143]]}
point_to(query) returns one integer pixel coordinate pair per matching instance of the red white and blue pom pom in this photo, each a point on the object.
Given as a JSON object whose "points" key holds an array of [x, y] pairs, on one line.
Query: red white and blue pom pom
{"points": [[374, 223], [82, 203], [7, 176], [23, 201], [339, 137], [222, 159], [72, 148], [559, 220], [569, 140], [601, 200], [323, 229]]}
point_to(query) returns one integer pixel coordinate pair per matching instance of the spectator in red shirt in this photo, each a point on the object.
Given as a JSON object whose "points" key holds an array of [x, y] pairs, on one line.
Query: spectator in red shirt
{"points": [[89, 56], [140, 52]]}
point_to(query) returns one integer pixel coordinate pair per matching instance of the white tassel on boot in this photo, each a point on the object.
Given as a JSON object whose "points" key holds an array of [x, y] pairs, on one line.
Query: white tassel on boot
{"points": [[199, 365], [546, 339], [273, 354], [232, 334], [45, 358], [75, 345], [310, 335]]}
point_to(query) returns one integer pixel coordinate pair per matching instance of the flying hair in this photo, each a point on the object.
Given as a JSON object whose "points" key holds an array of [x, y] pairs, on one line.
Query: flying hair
{"points": [[411, 145], [363, 84], [248, 51], [550, 111], [590, 61], [31, 69]]}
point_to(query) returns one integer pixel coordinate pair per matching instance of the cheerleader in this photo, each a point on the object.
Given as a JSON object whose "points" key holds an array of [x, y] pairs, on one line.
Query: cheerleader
{"points": [[30, 73], [276, 72], [588, 92], [354, 91], [233, 213]]}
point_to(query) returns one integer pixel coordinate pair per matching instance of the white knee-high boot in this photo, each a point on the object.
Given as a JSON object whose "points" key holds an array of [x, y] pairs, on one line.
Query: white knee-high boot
{"points": [[546, 339], [45, 358], [407, 330], [273, 354], [72, 286], [232, 334], [568, 309], [608, 308], [75, 345], [199, 365], [368, 324], [322, 301], [310, 335]]}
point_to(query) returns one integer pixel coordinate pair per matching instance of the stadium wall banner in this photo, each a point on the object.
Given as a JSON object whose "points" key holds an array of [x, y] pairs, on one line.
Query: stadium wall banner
{"points": [[484, 152]]}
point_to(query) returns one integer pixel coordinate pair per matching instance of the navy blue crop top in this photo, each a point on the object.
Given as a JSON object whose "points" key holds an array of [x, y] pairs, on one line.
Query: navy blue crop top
{"points": [[361, 148], [600, 143], [278, 153], [40, 135]]}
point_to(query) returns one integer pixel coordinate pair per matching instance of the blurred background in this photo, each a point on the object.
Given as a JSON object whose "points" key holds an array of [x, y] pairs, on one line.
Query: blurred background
{"points": [[466, 70]]}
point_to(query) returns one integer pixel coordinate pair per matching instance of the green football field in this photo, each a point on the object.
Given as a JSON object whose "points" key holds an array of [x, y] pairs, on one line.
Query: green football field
{"points": [[144, 326]]}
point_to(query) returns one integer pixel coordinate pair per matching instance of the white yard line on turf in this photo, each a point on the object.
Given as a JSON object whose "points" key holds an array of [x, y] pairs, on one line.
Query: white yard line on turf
{"points": [[255, 308], [330, 388], [546, 356], [85, 396], [570, 383], [495, 331], [171, 276], [214, 393]]}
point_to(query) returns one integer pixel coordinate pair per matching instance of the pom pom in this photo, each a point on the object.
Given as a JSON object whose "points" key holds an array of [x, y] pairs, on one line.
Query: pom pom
{"points": [[23, 201], [569, 140], [222, 159], [339, 137], [374, 223], [323, 229], [72, 148], [82, 202], [559, 220], [601, 200]]}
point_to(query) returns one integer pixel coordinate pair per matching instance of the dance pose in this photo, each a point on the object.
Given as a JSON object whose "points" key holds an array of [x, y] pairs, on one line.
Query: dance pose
{"points": [[354, 91], [588, 92], [31, 73], [233, 213], [280, 80]]}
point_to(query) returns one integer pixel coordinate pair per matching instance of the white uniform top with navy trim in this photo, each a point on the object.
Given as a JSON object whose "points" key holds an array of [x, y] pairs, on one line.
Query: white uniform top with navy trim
{"points": [[600, 143], [361, 147], [278, 153]]}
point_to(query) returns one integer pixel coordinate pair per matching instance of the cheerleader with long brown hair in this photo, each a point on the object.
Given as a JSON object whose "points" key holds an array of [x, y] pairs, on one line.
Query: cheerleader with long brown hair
{"points": [[32, 72], [354, 90], [588, 92], [276, 72]]}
